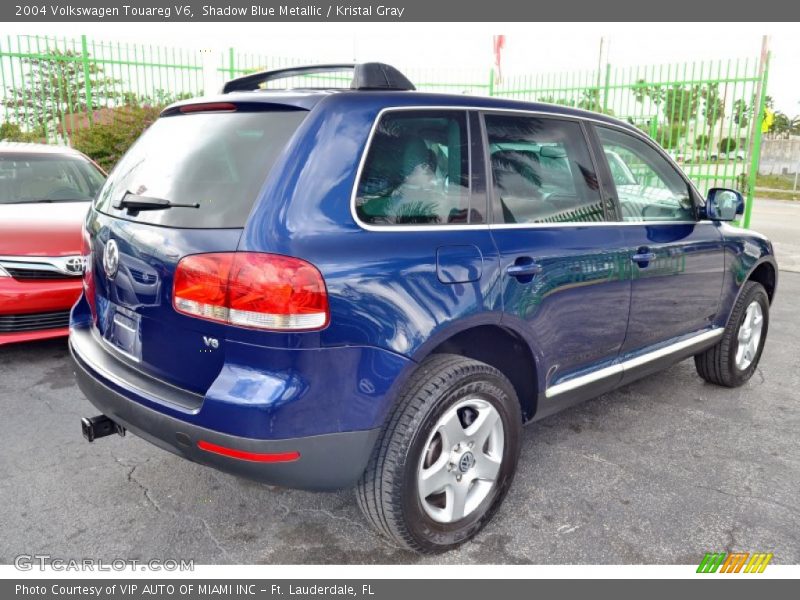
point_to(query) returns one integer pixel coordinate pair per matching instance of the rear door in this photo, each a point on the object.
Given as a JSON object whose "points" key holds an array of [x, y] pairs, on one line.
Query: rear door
{"points": [[213, 161], [677, 261], [563, 271]]}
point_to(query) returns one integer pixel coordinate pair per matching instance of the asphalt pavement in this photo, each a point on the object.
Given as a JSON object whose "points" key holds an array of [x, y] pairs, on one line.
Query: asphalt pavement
{"points": [[780, 221]]}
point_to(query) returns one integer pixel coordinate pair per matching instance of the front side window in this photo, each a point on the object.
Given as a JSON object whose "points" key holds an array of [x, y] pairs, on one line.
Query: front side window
{"points": [[648, 187], [417, 171], [542, 171]]}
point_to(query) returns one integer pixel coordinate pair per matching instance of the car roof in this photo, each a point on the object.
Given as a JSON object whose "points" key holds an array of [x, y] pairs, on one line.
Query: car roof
{"points": [[31, 148], [307, 99]]}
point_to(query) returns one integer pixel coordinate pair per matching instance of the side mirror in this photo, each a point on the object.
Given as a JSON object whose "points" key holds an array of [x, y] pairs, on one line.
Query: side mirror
{"points": [[723, 204]]}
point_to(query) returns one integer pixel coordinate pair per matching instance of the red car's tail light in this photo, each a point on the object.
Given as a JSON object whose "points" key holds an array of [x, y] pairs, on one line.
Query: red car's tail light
{"points": [[264, 291]]}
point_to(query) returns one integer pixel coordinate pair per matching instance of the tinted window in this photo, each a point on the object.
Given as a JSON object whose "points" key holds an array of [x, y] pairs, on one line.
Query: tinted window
{"points": [[217, 160], [648, 186], [26, 178], [417, 171], [541, 171]]}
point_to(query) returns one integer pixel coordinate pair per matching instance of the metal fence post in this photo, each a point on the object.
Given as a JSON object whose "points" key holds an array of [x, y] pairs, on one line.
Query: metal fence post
{"points": [[606, 86], [231, 63], [491, 82], [87, 78], [755, 150]]}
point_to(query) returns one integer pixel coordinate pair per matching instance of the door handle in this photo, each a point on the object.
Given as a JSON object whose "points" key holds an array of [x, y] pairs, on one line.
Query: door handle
{"points": [[527, 268], [643, 257]]}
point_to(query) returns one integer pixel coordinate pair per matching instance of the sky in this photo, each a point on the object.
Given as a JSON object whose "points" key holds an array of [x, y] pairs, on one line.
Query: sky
{"points": [[530, 47]]}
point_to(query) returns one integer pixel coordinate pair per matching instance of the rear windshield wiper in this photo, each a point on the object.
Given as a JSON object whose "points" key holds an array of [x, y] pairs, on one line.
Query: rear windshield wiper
{"points": [[135, 203]]}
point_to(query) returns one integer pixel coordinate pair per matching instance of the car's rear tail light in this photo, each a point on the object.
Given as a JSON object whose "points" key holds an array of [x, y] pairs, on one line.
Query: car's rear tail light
{"points": [[249, 289]]}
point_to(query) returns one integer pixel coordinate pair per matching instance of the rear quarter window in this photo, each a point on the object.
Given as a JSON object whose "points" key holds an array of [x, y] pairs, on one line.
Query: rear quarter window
{"points": [[218, 160]]}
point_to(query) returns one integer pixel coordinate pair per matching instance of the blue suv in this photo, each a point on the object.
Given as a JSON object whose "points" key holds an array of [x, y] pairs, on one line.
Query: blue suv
{"points": [[376, 287]]}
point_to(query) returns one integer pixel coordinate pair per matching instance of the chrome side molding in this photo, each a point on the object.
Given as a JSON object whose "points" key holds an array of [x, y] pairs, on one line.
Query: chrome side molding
{"points": [[632, 363]]}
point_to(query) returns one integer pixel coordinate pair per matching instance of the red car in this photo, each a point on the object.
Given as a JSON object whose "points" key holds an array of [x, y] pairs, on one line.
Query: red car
{"points": [[45, 192]]}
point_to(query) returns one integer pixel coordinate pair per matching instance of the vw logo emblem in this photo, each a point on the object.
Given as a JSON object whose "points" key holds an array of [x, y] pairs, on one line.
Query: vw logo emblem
{"points": [[111, 258], [466, 463], [74, 265]]}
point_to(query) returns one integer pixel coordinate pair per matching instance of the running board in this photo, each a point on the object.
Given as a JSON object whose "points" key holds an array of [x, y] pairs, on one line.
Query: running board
{"points": [[633, 363]]}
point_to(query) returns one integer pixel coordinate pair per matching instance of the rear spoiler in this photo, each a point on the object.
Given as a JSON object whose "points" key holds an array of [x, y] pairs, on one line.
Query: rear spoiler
{"points": [[366, 76]]}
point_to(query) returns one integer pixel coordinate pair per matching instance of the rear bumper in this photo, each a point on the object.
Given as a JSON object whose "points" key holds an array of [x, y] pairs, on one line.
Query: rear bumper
{"points": [[326, 462]]}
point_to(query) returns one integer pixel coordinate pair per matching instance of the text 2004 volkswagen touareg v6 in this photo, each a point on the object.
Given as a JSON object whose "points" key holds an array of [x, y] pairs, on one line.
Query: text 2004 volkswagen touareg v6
{"points": [[377, 288]]}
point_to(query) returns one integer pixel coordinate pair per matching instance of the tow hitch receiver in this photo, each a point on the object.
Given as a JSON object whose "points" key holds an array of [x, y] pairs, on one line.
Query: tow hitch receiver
{"points": [[99, 426]]}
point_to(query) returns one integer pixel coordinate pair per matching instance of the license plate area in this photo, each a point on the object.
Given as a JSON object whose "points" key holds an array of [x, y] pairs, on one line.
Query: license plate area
{"points": [[124, 332]]}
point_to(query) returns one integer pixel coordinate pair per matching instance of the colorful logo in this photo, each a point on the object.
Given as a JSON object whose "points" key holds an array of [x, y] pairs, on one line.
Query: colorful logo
{"points": [[735, 562]]}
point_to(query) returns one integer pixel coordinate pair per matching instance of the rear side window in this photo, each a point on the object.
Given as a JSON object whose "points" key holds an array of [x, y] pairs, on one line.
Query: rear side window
{"points": [[417, 171], [541, 171], [217, 160]]}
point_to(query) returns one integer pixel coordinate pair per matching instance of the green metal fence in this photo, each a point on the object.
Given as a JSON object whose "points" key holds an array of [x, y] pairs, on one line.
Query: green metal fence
{"points": [[707, 114]]}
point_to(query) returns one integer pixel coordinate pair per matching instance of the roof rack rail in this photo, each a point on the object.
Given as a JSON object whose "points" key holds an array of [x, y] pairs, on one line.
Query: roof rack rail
{"points": [[366, 76]]}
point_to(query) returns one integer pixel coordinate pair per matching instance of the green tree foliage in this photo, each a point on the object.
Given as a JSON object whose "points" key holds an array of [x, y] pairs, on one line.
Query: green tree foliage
{"points": [[642, 90], [783, 126], [677, 104], [670, 136], [11, 132], [727, 144], [741, 113], [681, 103], [590, 100], [713, 106], [106, 142], [55, 87], [701, 141], [553, 100]]}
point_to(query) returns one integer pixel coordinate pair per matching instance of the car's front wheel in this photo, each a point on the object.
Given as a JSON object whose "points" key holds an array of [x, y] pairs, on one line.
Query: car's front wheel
{"points": [[734, 359], [446, 457]]}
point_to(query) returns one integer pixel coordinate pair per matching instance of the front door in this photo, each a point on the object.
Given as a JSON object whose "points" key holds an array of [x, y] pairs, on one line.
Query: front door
{"points": [[677, 261]]}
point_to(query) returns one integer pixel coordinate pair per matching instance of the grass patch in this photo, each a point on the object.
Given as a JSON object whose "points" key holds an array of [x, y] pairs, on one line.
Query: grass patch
{"points": [[777, 187], [788, 195], [779, 182]]}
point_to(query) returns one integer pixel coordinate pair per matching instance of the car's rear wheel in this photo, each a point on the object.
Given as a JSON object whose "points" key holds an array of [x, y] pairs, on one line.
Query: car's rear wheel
{"points": [[734, 359], [446, 457]]}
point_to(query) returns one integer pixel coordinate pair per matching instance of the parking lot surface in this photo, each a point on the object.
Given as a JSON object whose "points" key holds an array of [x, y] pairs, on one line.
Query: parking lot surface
{"points": [[661, 471], [780, 220]]}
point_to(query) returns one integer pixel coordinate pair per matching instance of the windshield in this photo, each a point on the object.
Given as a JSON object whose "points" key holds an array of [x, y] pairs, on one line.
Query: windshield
{"points": [[215, 162], [28, 178]]}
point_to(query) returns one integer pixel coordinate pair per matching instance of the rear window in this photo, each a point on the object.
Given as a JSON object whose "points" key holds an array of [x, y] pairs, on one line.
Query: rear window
{"points": [[27, 178], [217, 160]]}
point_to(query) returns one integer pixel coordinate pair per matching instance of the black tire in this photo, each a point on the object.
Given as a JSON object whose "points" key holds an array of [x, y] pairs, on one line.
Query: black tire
{"points": [[387, 492], [718, 364]]}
